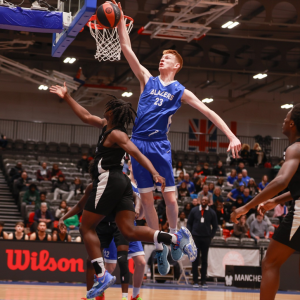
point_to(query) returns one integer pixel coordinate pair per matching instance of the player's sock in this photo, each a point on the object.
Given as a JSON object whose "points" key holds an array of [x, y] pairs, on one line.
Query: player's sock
{"points": [[163, 237], [173, 230], [98, 266], [124, 296], [158, 246], [135, 292]]}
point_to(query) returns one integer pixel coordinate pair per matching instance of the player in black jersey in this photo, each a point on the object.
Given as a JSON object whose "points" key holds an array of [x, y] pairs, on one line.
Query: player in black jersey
{"points": [[112, 191], [287, 237]]}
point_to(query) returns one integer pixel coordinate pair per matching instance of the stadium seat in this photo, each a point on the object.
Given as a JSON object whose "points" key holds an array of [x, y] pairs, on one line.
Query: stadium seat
{"points": [[202, 157], [263, 243], [52, 147], [10, 144], [74, 148], [191, 157], [180, 155], [212, 158], [19, 145], [218, 241], [41, 146], [274, 221], [65, 159], [85, 149], [63, 147], [30, 145], [247, 242], [223, 157], [74, 233], [233, 242]]}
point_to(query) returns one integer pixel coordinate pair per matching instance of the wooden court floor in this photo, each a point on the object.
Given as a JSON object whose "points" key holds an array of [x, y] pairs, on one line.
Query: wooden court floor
{"points": [[53, 292]]}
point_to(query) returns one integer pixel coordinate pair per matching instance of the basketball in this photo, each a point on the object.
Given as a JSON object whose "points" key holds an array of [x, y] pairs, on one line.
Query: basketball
{"points": [[108, 15]]}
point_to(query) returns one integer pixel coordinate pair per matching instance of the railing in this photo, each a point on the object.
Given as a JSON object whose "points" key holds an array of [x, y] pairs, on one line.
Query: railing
{"points": [[80, 134]]}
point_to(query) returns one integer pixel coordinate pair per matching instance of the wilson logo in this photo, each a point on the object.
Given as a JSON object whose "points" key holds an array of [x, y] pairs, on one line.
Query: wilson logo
{"points": [[23, 259]]}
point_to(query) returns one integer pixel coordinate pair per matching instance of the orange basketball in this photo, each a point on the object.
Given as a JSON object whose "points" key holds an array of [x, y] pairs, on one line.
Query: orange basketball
{"points": [[108, 15]]}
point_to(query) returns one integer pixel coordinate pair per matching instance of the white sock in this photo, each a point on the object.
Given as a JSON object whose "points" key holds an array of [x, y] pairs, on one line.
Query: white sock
{"points": [[125, 295], [135, 292], [173, 230], [158, 246], [101, 268]]}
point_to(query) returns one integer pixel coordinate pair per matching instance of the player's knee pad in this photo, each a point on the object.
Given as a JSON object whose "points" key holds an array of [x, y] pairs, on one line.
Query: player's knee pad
{"points": [[123, 265]]}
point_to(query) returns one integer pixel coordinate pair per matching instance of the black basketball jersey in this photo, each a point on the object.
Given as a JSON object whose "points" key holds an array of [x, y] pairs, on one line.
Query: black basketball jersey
{"points": [[294, 184], [38, 238], [108, 158], [64, 240], [15, 238]]}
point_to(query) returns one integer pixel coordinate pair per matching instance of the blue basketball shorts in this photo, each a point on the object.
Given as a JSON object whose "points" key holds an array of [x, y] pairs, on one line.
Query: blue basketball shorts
{"points": [[159, 153], [110, 253]]}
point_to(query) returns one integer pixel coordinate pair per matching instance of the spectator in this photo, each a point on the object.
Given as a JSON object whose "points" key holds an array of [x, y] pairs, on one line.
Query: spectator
{"points": [[83, 164], [279, 165], [182, 220], [217, 198], [41, 233], [199, 185], [232, 195], [245, 153], [42, 215], [22, 184], [72, 223], [238, 181], [189, 184], [205, 170], [195, 202], [32, 196], [42, 200], [245, 177], [180, 177], [206, 193], [264, 183], [61, 187], [3, 141], [161, 209], [211, 187], [252, 187], [252, 218], [179, 168], [231, 178], [16, 172], [220, 182], [62, 210], [43, 174], [3, 234], [19, 233], [183, 191], [259, 228], [219, 169], [256, 155], [197, 171], [240, 230], [239, 201], [280, 211], [203, 224], [240, 167], [220, 215], [246, 195], [77, 187], [187, 209], [61, 235], [55, 172]]}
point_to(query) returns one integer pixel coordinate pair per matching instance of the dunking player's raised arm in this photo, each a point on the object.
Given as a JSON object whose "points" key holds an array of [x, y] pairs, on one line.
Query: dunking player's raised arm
{"points": [[80, 111], [140, 72], [189, 98]]}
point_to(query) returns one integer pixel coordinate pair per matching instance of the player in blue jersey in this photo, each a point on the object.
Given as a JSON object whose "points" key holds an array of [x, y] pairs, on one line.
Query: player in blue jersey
{"points": [[160, 98]]}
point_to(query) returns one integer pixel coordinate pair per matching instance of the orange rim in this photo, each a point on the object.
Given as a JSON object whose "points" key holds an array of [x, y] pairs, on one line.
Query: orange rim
{"points": [[99, 27]]}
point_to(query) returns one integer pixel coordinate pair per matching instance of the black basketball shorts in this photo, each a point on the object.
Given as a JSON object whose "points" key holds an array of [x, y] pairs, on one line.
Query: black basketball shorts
{"points": [[111, 193]]}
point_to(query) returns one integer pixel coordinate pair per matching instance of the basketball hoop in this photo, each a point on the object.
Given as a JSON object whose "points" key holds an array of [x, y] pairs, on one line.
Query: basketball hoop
{"points": [[107, 40]]}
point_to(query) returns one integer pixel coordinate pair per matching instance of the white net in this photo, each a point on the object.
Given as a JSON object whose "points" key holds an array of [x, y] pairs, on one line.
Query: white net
{"points": [[107, 40]]}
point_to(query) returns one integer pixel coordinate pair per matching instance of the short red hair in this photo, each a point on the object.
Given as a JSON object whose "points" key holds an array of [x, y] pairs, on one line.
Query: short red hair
{"points": [[177, 55]]}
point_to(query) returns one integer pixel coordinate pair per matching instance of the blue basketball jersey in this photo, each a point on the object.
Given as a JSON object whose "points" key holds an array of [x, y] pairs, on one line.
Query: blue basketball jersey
{"points": [[157, 104]]}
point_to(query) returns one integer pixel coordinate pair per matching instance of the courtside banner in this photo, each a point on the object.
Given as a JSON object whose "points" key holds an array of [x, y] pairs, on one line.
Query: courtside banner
{"points": [[42, 261], [218, 258]]}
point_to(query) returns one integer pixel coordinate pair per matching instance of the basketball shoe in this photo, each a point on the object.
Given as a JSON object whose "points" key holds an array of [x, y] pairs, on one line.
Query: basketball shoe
{"points": [[100, 285], [136, 298], [186, 243], [162, 261]]}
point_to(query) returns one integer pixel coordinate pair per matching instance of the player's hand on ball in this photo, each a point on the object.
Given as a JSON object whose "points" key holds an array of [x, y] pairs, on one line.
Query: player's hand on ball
{"points": [[61, 91], [234, 146], [160, 179], [120, 7]]}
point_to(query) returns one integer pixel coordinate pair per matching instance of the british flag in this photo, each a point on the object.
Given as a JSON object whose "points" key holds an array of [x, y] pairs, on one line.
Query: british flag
{"points": [[202, 136]]}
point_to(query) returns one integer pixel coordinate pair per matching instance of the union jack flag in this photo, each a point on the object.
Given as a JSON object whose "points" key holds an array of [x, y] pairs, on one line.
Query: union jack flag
{"points": [[202, 136]]}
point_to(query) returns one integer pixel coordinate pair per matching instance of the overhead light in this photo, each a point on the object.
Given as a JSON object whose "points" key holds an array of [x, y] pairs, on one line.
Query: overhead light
{"points": [[69, 60], [287, 106], [207, 100], [260, 76], [43, 87], [127, 94], [230, 24]]}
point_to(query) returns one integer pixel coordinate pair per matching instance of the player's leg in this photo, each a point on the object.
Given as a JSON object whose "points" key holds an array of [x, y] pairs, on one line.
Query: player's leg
{"points": [[171, 210], [149, 210], [276, 255], [139, 269], [124, 270]]}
